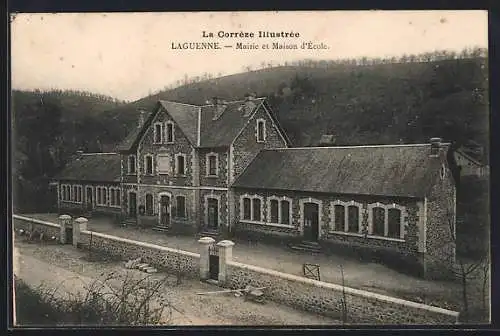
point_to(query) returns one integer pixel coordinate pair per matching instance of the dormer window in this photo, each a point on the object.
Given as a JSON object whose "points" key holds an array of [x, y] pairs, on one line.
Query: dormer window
{"points": [[261, 130], [212, 164], [131, 164], [158, 133], [170, 132]]}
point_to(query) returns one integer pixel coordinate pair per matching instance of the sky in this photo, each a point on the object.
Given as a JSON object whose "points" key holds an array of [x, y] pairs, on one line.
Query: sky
{"points": [[129, 55]]}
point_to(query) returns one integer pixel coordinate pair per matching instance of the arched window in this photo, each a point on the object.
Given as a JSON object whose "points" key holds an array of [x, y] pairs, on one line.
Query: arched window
{"points": [[339, 213], [394, 225], [378, 221], [256, 209], [131, 164], [274, 211], [352, 218], [149, 164], [246, 208], [285, 212]]}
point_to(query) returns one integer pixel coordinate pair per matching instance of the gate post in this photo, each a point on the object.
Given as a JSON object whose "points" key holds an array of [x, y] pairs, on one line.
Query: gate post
{"points": [[225, 255], [79, 224], [205, 243], [64, 221]]}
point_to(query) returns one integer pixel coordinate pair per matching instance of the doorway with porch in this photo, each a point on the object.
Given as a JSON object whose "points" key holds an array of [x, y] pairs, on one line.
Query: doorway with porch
{"points": [[311, 222], [212, 214]]}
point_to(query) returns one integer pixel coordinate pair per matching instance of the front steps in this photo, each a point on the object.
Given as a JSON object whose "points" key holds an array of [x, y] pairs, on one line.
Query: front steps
{"points": [[208, 233], [307, 246], [160, 228], [129, 222]]}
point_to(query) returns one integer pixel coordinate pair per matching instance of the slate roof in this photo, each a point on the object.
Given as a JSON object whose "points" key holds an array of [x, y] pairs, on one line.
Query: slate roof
{"points": [[214, 132], [96, 167], [399, 170]]}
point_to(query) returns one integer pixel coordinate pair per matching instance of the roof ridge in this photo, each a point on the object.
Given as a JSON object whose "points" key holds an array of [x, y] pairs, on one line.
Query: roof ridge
{"points": [[354, 146], [175, 102], [98, 153]]}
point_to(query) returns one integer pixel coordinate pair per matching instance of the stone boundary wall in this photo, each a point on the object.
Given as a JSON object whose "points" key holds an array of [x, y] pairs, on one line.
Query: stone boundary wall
{"points": [[31, 224], [326, 298], [187, 263]]}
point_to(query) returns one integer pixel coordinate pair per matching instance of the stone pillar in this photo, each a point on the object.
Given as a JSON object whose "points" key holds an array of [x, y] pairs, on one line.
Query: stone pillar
{"points": [[205, 243], [64, 222], [225, 255], [79, 225]]}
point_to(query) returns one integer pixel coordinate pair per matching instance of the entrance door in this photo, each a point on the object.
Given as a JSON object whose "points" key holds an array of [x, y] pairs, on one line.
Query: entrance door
{"points": [[311, 221], [132, 204], [165, 211], [90, 203], [213, 214]]}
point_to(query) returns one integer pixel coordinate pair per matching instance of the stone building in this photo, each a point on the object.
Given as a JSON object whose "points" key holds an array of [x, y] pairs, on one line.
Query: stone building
{"points": [[227, 168]]}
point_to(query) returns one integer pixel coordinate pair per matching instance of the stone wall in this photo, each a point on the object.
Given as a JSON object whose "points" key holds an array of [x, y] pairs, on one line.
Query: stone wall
{"points": [[325, 298], [159, 256], [30, 224]]}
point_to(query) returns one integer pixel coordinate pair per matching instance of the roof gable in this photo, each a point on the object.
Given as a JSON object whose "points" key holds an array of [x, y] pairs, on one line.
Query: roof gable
{"points": [[400, 170], [200, 124]]}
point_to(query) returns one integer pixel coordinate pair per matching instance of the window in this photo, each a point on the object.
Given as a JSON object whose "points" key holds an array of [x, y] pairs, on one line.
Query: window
{"points": [[246, 208], [256, 209], [149, 205], [80, 194], [378, 221], [170, 132], [104, 196], [212, 165], [113, 196], [180, 165], [394, 225], [163, 161], [131, 164], [274, 211], [352, 218], [158, 133], [181, 206], [99, 195], [149, 164], [118, 198], [339, 213], [261, 130], [74, 196], [285, 212]]}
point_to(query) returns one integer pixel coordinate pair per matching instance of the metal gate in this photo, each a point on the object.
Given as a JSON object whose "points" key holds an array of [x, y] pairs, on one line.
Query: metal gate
{"points": [[69, 235], [213, 258]]}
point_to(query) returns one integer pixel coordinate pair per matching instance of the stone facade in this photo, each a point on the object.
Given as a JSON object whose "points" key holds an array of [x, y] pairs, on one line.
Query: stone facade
{"points": [[245, 147]]}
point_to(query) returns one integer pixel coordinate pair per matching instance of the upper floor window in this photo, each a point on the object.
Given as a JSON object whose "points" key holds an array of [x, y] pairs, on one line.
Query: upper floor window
{"points": [[148, 164], [163, 161], [180, 164], [212, 164], [158, 133], [131, 164], [261, 130], [170, 132]]}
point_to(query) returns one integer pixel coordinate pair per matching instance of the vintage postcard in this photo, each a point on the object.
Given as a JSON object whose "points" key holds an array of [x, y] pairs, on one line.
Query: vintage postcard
{"points": [[250, 168]]}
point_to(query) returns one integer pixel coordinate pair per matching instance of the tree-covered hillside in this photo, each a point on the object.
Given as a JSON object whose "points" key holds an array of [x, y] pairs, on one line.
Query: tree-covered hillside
{"points": [[364, 102]]}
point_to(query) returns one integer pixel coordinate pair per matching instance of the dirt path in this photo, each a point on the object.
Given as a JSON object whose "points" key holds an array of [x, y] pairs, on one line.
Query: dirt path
{"points": [[57, 265]]}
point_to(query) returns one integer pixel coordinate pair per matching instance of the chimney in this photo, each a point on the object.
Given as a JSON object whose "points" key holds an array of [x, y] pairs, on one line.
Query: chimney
{"points": [[249, 104], [220, 107], [435, 146], [141, 121]]}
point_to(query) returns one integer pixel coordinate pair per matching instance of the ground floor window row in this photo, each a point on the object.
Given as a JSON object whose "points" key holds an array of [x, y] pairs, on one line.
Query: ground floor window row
{"points": [[383, 220], [177, 208], [346, 217], [100, 195]]}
